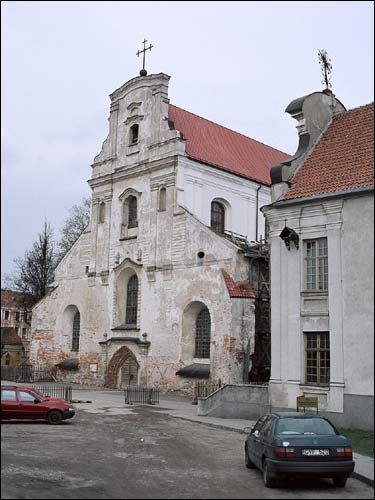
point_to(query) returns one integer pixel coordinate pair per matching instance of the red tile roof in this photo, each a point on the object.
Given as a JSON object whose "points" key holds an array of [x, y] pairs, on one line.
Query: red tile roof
{"points": [[342, 159], [9, 336], [16, 300], [223, 148], [239, 289]]}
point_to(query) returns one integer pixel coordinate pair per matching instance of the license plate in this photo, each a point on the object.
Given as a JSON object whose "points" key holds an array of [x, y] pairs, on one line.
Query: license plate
{"points": [[315, 453]]}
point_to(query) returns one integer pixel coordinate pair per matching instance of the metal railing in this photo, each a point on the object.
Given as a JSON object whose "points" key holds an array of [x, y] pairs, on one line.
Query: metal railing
{"points": [[27, 373], [141, 395], [56, 391], [203, 388]]}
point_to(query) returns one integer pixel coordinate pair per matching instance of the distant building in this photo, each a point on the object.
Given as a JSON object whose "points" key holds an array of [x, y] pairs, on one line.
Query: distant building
{"points": [[13, 348], [15, 322], [322, 262]]}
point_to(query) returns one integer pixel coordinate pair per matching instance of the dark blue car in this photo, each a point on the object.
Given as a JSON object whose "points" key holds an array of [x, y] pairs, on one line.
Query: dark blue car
{"points": [[282, 444]]}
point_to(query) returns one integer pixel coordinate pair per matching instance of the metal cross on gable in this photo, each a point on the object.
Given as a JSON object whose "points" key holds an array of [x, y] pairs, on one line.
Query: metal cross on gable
{"points": [[143, 72], [326, 67]]}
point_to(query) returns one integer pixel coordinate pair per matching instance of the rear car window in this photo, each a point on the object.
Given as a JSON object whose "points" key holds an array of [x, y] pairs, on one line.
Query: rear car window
{"points": [[8, 395], [317, 426]]}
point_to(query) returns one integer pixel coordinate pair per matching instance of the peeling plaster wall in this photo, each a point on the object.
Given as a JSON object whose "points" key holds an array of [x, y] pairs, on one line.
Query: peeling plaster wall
{"points": [[162, 251]]}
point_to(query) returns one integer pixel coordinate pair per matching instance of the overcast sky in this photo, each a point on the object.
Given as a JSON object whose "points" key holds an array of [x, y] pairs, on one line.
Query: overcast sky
{"points": [[236, 63]]}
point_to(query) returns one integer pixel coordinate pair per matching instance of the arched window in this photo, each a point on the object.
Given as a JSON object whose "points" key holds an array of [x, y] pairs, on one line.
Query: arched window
{"points": [[7, 359], [102, 212], [76, 328], [203, 334], [162, 199], [132, 212], [218, 216], [133, 137], [132, 301]]}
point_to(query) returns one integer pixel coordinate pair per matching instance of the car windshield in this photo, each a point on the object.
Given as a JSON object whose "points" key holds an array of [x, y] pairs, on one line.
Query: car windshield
{"points": [[317, 426]]}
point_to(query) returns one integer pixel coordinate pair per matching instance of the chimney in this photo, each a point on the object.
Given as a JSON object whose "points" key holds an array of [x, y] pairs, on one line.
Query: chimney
{"points": [[313, 112]]}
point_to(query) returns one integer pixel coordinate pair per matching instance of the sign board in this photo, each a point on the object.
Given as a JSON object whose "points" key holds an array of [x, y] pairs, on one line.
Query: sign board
{"points": [[307, 402]]}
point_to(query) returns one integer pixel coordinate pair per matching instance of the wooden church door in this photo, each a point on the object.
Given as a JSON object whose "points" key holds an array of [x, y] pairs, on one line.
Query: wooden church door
{"points": [[129, 373]]}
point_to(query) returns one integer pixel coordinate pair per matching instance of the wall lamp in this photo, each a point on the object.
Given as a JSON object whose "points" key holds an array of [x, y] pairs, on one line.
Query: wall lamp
{"points": [[288, 235]]}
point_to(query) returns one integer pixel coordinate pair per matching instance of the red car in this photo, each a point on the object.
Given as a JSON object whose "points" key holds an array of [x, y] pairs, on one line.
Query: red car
{"points": [[27, 403]]}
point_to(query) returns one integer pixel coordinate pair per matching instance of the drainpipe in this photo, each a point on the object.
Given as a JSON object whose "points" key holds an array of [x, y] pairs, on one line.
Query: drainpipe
{"points": [[257, 215]]}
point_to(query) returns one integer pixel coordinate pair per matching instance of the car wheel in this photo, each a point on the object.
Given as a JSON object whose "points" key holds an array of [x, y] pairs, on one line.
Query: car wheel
{"points": [[54, 417], [249, 464], [340, 481], [269, 481]]}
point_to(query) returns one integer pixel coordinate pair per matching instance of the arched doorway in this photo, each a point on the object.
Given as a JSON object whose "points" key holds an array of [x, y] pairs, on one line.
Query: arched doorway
{"points": [[122, 369], [128, 373]]}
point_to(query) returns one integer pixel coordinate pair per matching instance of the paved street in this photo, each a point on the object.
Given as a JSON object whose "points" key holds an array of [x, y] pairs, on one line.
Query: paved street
{"points": [[138, 452]]}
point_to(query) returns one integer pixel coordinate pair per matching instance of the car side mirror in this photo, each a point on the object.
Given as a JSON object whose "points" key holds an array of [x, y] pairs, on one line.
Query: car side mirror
{"points": [[36, 401], [247, 430], [256, 433]]}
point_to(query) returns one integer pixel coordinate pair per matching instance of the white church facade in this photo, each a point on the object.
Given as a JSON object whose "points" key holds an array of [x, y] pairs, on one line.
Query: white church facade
{"points": [[156, 290]]}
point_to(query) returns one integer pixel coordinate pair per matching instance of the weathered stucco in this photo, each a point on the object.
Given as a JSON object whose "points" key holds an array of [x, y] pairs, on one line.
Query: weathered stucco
{"points": [[162, 251]]}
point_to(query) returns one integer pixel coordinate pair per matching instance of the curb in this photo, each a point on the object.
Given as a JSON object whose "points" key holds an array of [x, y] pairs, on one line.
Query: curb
{"points": [[362, 478], [210, 424]]}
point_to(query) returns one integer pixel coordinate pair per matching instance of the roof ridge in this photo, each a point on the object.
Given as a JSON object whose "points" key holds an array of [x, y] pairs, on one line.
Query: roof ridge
{"points": [[358, 107], [230, 129], [352, 110]]}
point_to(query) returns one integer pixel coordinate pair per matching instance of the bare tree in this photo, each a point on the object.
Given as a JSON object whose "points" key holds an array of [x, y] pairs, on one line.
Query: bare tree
{"points": [[75, 224], [34, 271]]}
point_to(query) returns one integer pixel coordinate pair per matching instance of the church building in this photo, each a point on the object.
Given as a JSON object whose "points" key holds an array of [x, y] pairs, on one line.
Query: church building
{"points": [[156, 290]]}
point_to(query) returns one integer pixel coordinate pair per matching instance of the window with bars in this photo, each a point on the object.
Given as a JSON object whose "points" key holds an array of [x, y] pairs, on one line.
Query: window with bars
{"points": [[132, 212], [316, 265], [203, 334], [317, 358], [6, 315], [76, 329], [218, 216], [132, 301]]}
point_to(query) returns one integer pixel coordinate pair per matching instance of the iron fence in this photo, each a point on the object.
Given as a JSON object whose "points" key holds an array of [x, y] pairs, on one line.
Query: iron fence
{"points": [[141, 395], [56, 391], [203, 388], [27, 373]]}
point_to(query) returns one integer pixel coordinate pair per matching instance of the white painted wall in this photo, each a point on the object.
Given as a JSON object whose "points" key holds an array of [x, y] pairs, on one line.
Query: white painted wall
{"points": [[346, 311], [199, 185]]}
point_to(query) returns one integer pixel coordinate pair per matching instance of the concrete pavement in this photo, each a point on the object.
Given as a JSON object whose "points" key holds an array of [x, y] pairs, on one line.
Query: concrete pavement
{"points": [[182, 408], [112, 402]]}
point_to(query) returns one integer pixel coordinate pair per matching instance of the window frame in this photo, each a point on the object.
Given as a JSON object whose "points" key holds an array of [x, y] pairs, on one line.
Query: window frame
{"points": [[202, 343], [132, 211], [131, 306], [218, 226], [316, 278], [319, 350], [76, 332]]}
